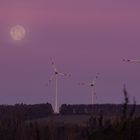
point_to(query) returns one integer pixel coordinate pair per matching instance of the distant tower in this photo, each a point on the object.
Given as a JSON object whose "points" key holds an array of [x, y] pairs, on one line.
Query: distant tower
{"points": [[92, 84], [55, 75]]}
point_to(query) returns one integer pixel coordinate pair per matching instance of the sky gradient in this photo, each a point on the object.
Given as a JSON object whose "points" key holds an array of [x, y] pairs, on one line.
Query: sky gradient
{"points": [[84, 37]]}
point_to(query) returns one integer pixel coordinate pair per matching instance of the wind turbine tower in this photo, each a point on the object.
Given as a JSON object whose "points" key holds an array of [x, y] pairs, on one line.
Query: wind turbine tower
{"points": [[55, 76], [92, 85]]}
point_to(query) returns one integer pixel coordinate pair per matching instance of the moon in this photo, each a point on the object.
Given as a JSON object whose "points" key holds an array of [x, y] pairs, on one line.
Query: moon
{"points": [[18, 32]]}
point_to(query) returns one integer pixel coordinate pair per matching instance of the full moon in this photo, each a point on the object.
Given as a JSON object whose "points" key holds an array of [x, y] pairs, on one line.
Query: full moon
{"points": [[17, 32]]}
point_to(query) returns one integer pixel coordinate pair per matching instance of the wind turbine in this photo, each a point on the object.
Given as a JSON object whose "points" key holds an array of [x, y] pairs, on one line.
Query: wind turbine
{"points": [[131, 60], [55, 75], [92, 85]]}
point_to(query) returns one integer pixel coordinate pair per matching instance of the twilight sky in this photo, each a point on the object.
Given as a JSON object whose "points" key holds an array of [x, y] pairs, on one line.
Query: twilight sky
{"points": [[83, 36]]}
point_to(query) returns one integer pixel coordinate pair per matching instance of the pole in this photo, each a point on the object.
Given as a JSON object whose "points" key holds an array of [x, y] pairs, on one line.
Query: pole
{"points": [[56, 94]]}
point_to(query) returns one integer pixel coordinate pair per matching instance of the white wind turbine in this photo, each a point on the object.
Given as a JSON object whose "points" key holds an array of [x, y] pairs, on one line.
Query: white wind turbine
{"points": [[55, 75], [131, 60], [92, 84]]}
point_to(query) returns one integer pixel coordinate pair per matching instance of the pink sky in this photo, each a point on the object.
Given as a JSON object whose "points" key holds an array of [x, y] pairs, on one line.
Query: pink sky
{"points": [[84, 37]]}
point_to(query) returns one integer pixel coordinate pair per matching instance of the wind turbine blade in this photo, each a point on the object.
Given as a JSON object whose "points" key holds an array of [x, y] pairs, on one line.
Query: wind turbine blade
{"points": [[53, 65], [135, 61], [64, 74], [131, 60], [93, 82], [96, 77], [126, 60], [51, 78], [85, 83]]}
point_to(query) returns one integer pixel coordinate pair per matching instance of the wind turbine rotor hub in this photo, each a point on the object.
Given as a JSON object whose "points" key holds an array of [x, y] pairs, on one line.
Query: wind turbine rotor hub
{"points": [[56, 73]]}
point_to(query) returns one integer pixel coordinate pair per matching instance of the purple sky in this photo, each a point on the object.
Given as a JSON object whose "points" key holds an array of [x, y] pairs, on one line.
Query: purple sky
{"points": [[84, 37]]}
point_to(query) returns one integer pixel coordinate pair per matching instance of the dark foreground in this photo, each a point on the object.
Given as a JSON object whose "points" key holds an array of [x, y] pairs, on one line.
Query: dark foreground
{"points": [[75, 122], [70, 127]]}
